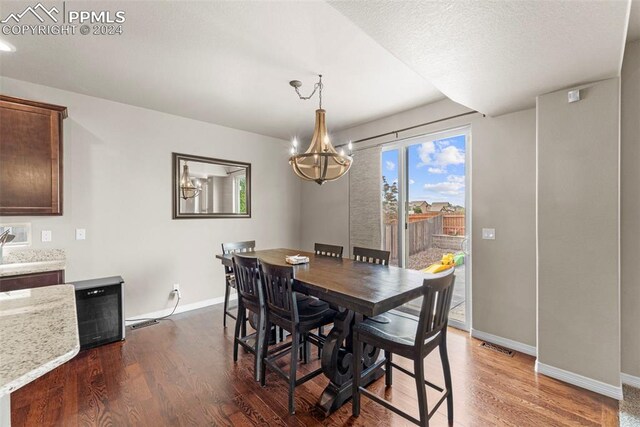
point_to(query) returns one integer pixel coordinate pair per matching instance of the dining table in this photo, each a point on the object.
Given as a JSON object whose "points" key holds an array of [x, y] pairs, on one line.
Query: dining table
{"points": [[356, 290]]}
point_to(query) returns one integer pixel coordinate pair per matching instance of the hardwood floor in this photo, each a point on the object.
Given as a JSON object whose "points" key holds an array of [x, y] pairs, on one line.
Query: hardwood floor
{"points": [[181, 372]]}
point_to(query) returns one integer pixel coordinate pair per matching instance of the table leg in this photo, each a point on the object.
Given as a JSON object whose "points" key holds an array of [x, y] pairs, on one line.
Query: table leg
{"points": [[337, 363]]}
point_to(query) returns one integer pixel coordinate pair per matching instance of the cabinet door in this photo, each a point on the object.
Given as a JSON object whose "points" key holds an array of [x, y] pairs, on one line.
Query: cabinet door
{"points": [[30, 159], [33, 280]]}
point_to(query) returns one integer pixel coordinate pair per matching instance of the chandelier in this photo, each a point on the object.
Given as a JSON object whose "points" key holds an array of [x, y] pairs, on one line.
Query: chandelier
{"points": [[321, 162], [188, 189]]}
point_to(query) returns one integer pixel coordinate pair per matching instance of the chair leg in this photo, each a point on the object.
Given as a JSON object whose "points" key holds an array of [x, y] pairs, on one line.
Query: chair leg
{"points": [[295, 347], [423, 409], [306, 349], [388, 373], [236, 336], [262, 340], [263, 356], [226, 303], [446, 369], [357, 372], [243, 324], [321, 333]]}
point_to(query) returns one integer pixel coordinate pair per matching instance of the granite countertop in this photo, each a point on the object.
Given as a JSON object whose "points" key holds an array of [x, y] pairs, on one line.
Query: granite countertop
{"points": [[29, 261], [39, 332]]}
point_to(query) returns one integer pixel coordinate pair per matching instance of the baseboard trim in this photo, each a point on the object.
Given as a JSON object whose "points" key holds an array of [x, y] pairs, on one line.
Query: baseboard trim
{"points": [[596, 386], [631, 380], [504, 342], [180, 309]]}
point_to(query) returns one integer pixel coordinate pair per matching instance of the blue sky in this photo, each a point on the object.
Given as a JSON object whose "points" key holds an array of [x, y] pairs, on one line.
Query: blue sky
{"points": [[436, 170]]}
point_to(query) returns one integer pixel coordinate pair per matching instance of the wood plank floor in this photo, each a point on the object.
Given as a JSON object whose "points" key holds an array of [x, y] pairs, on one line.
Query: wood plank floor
{"points": [[181, 372]]}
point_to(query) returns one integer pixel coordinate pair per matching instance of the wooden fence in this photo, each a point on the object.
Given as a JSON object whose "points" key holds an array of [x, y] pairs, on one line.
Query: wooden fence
{"points": [[419, 235], [420, 231], [453, 224]]}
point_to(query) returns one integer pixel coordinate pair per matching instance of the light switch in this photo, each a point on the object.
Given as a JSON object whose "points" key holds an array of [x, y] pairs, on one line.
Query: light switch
{"points": [[489, 233], [46, 235], [81, 233], [573, 95]]}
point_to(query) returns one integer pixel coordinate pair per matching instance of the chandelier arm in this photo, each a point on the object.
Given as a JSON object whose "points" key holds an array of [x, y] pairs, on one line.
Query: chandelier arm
{"points": [[326, 167], [300, 173]]}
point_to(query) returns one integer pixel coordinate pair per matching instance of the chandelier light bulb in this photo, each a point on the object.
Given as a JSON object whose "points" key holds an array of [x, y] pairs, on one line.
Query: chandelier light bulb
{"points": [[350, 146], [295, 142]]}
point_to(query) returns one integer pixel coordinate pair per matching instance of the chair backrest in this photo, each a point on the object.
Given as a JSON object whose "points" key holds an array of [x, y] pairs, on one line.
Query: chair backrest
{"points": [[436, 303], [277, 283], [328, 250], [237, 247], [247, 274], [372, 256]]}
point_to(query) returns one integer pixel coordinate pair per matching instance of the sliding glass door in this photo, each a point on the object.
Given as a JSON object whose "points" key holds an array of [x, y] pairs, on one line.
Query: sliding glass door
{"points": [[426, 209]]}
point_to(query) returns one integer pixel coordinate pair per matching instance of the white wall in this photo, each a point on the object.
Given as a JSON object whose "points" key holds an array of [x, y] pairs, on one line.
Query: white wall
{"points": [[630, 210], [503, 193], [117, 185], [578, 240]]}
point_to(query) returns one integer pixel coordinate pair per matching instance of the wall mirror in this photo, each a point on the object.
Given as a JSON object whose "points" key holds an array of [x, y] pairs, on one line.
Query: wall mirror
{"points": [[204, 187]]}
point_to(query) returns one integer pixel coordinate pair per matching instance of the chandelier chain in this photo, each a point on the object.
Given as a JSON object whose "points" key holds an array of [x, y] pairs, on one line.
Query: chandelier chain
{"points": [[316, 86]]}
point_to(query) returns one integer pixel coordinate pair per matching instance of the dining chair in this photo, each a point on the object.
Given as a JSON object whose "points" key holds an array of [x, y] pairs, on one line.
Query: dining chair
{"points": [[372, 256], [328, 250], [297, 318], [250, 298], [413, 339], [229, 278]]}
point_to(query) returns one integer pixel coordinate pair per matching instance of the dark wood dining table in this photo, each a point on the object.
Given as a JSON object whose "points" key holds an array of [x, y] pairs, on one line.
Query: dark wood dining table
{"points": [[357, 289]]}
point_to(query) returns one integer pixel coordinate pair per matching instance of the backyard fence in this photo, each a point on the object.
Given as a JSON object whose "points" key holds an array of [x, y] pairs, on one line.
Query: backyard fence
{"points": [[419, 235], [425, 231], [453, 224]]}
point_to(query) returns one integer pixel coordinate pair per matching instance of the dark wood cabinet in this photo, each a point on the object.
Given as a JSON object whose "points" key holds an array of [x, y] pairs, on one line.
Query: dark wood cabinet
{"points": [[30, 157], [32, 280]]}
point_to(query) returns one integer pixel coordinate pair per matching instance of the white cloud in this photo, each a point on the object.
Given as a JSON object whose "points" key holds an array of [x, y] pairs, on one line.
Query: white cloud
{"points": [[440, 156], [453, 186], [390, 165], [450, 155], [425, 152], [446, 188], [411, 182]]}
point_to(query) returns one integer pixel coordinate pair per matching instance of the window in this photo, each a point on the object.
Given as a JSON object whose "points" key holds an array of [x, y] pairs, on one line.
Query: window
{"points": [[21, 231], [240, 193]]}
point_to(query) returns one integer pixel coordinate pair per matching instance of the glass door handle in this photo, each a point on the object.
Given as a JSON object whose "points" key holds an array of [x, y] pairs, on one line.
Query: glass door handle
{"points": [[465, 246]]}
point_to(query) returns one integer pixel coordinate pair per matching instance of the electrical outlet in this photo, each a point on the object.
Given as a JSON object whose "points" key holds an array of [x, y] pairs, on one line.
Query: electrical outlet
{"points": [[176, 290], [46, 235], [81, 234]]}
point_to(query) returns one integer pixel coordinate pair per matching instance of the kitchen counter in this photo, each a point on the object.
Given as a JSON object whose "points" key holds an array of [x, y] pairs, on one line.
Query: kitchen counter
{"points": [[39, 332], [29, 261], [18, 268]]}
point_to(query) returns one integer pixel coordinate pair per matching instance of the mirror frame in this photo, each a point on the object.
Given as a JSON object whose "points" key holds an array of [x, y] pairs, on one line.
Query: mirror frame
{"points": [[175, 176]]}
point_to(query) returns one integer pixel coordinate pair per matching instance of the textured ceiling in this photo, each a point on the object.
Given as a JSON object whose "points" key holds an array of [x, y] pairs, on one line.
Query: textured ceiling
{"points": [[496, 56], [225, 62]]}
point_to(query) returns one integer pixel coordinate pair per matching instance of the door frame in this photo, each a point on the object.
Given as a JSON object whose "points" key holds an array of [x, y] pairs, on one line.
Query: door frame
{"points": [[402, 146]]}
